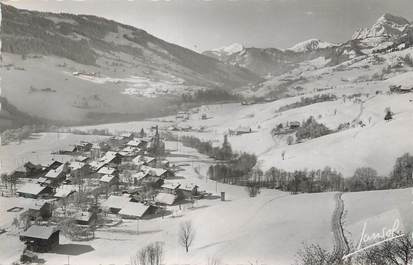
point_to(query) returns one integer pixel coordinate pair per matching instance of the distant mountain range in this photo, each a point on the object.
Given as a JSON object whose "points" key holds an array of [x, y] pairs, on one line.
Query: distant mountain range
{"points": [[388, 32]]}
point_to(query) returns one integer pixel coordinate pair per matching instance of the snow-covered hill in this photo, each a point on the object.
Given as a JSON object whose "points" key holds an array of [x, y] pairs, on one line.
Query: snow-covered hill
{"points": [[311, 45]]}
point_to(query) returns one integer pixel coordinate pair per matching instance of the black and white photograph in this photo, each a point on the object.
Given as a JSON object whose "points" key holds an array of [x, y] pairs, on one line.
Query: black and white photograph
{"points": [[206, 132]]}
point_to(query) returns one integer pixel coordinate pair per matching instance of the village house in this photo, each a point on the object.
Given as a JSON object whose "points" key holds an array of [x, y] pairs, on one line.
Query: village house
{"points": [[68, 150], [84, 146], [129, 151], [52, 165], [114, 204], [55, 177], [82, 159], [40, 238], [144, 160], [157, 172], [188, 191], [64, 192], [135, 210], [79, 170], [171, 188], [34, 190]]}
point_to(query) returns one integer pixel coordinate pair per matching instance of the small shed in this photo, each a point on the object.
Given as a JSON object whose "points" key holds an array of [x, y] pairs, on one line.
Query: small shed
{"points": [[40, 238], [85, 218]]}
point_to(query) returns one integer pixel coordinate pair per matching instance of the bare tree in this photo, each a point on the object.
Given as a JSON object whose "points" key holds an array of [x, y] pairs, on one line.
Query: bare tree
{"points": [[186, 234], [149, 255], [315, 255]]}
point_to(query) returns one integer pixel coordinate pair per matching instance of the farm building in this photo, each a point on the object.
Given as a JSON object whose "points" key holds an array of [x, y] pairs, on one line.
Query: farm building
{"points": [[34, 190], [165, 198], [40, 238]]}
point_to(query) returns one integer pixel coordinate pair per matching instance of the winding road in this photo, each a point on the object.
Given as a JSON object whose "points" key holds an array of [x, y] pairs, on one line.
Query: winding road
{"points": [[340, 242]]}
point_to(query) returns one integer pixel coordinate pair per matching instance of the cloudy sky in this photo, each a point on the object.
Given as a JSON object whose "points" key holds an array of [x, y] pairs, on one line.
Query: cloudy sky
{"points": [[201, 25]]}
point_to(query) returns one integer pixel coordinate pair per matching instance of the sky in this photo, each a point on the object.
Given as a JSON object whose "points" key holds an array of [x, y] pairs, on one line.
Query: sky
{"points": [[207, 24]]}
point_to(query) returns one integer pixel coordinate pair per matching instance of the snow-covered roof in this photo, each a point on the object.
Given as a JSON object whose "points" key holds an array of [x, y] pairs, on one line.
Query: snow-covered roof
{"points": [[134, 209], [55, 173], [140, 159], [83, 216], [188, 187], [107, 170], [81, 158], [116, 202], [154, 171], [140, 175], [37, 231], [107, 178], [134, 143], [75, 165], [31, 188], [171, 186], [165, 198], [64, 191]]}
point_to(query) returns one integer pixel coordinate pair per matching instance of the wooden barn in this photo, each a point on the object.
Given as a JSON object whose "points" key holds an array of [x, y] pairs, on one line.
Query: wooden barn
{"points": [[40, 238]]}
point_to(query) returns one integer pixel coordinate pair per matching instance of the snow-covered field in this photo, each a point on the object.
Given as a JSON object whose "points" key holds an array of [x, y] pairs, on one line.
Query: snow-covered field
{"points": [[377, 210], [38, 149]]}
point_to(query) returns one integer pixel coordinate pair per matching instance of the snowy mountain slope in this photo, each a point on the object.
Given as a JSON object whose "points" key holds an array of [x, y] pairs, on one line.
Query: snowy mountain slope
{"points": [[365, 79], [54, 65], [311, 45]]}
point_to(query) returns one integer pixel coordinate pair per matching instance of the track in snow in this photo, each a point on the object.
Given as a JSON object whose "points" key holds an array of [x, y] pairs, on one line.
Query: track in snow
{"points": [[341, 245]]}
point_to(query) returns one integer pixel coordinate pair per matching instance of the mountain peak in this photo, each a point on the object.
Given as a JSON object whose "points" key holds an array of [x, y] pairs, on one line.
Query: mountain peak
{"points": [[230, 49], [310, 45], [388, 25], [390, 18]]}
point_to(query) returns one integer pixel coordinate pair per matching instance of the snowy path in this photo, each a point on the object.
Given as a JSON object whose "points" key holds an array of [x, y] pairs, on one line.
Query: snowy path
{"points": [[341, 245]]}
